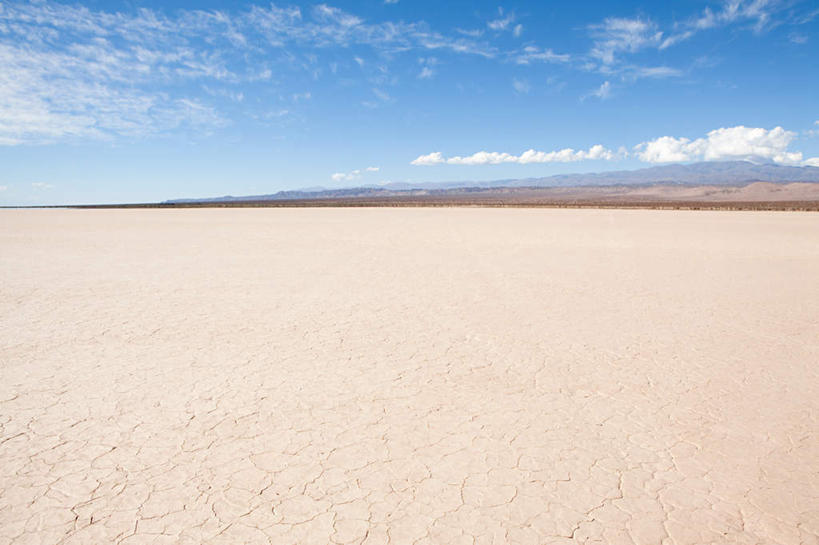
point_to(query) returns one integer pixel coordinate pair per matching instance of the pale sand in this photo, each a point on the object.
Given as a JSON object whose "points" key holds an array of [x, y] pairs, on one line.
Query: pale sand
{"points": [[414, 375]]}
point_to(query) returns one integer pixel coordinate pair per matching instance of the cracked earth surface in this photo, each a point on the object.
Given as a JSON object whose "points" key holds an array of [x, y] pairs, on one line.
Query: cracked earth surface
{"points": [[408, 376]]}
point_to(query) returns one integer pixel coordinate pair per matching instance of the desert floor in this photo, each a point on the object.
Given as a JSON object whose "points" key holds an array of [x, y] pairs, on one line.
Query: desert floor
{"points": [[408, 376]]}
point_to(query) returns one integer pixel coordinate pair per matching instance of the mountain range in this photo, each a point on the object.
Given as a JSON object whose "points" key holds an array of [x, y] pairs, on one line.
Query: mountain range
{"points": [[725, 173]]}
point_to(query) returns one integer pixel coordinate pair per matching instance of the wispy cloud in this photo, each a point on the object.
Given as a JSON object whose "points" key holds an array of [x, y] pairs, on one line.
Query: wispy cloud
{"points": [[654, 71], [427, 64], [531, 54], [68, 72], [617, 35], [615, 38], [755, 15], [521, 86], [503, 22], [603, 92], [473, 33], [381, 98]]}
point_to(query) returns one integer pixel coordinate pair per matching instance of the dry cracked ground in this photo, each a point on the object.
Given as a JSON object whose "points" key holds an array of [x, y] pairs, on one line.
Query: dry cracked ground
{"points": [[408, 376]]}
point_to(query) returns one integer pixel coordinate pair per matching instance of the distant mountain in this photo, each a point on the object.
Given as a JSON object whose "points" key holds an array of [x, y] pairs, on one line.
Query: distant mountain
{"points": [[727, 173]]}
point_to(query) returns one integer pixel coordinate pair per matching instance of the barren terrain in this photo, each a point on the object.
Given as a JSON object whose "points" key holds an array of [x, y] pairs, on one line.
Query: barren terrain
{"points": [[408, 376]]}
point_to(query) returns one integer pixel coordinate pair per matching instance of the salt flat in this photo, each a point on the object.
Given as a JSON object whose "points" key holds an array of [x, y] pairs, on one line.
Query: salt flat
{"points": [[408, 376]]}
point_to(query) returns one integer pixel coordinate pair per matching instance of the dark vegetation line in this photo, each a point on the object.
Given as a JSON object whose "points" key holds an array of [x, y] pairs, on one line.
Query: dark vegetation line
{"points": [[387, 202]]}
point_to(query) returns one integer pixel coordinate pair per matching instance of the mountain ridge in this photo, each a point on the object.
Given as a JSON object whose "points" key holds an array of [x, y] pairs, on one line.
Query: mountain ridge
{"points": [[724, 173]]}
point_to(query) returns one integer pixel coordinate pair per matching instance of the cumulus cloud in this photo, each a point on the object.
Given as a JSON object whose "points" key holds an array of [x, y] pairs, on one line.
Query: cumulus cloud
{"points": [[738, 143], [352, 175], [732, 143], [566, 155]]}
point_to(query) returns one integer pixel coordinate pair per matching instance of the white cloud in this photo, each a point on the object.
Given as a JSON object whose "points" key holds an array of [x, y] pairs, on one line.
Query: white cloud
{"points": [[738, 143], [474, 33], [352, 175], [676, 38], [760, 13], [668, 149], [382, 95], [70, 72], [501, 23], [532, 53], [336, 16], [3, 187], [427, 67], [341, 176], [757, 11], [617, 35], [517, 31], [531, 156], [655, 72], [434, 158], [521, 86], [732, 143], [603, 92], [41, 185]]}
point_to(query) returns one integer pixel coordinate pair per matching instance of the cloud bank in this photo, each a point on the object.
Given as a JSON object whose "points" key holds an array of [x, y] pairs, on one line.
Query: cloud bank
{"points": [[566, 155], [738, 143]]}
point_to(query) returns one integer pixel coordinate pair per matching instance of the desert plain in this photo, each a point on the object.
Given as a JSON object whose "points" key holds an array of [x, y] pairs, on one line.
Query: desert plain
{"points": [[409, 376]]}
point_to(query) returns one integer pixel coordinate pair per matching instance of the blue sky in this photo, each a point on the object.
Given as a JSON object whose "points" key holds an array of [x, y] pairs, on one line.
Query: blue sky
{"points": [[144, 101]]}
